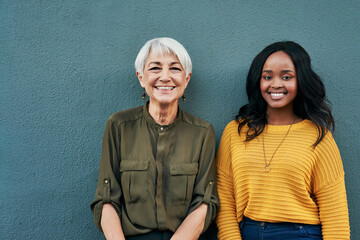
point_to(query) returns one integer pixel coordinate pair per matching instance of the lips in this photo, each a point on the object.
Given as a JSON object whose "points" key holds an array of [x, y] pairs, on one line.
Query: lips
{"points": [[277, 95], [165, 88]]}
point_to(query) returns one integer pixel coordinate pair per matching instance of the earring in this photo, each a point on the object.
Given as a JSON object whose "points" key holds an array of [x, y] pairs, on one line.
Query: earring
{"points": [[143, 96], [183, 98]]}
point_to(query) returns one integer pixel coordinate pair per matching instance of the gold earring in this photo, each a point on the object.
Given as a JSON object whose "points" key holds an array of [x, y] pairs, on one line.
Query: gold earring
{"points": [[183, 98], [143, 96]]}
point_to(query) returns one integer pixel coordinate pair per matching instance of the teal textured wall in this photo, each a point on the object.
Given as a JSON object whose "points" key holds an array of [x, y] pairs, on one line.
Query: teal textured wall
{"points": [[66, 66]]}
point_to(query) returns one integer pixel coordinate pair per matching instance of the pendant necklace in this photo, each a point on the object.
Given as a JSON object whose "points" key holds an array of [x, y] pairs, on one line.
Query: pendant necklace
{"points": [[267, 167]]}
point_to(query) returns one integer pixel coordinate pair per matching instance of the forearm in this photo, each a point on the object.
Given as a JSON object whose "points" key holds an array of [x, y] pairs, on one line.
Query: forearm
{"points": [[193, 225], [110, 223]]}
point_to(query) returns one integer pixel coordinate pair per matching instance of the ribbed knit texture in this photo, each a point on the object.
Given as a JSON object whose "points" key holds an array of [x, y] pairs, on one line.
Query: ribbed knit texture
{"points": [[305, 184]]}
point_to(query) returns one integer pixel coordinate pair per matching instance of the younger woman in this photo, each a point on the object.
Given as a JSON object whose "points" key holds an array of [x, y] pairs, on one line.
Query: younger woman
{"points": [[280, 174]]}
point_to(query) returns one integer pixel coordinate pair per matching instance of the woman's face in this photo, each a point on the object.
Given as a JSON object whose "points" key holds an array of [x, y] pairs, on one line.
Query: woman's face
{"points": [[278, 84], [164, 78]]}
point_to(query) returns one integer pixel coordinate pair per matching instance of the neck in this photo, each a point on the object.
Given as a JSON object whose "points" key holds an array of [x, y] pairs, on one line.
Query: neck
{"points": [[281, 117], [163, 114]]}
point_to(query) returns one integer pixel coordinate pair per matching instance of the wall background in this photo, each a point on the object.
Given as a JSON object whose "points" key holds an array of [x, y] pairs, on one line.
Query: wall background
{"points": [[66, 66]]}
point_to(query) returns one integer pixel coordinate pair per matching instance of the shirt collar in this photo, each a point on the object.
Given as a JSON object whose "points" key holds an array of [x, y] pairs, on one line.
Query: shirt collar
{"points": [[154, 124]]}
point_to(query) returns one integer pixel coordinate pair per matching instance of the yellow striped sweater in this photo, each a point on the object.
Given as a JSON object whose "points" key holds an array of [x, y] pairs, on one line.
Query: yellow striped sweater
{"points": [[305, 184]]}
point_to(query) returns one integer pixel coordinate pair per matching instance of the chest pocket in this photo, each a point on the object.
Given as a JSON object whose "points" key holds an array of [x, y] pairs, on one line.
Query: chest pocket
{"points": [[180, 184], [134, 180]]}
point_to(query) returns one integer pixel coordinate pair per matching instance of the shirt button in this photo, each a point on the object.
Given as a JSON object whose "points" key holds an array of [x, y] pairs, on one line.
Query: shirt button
{"points": [[262, 224], [106, 181], [161, 128]]}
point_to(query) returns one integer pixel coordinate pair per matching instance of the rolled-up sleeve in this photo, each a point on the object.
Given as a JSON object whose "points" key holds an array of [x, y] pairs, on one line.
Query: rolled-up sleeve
{"points": [[108, 188], [205, 190]]}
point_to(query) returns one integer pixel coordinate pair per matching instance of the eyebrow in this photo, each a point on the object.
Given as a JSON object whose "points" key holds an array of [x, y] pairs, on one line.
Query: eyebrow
{"points": [[158, 63]]}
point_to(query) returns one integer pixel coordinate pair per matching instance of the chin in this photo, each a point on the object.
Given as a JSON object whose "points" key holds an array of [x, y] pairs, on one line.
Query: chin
{"points": [[280, 106], [165, 101]]}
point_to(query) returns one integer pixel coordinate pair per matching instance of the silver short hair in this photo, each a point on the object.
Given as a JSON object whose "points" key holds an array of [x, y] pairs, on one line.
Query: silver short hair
{"points": [[160, 46]]}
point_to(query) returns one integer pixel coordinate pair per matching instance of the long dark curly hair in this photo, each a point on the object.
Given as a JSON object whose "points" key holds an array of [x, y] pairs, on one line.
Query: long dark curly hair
{"points": [[310, 102]]}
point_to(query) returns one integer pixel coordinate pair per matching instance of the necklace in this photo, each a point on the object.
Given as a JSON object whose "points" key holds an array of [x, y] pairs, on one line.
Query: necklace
{"points": [[267, 167]]}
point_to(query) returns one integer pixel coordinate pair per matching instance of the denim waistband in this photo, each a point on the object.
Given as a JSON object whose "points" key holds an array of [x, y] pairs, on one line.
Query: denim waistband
{"points": [[258, 229], [249, 220]]}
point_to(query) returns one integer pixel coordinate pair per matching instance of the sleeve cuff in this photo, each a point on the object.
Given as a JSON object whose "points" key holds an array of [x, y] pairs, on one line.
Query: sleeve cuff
{"points": [[208, 192]]}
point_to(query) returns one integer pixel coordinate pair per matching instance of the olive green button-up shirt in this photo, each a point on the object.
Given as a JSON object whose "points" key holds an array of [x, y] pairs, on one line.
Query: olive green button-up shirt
{"points": [[155, 175]]}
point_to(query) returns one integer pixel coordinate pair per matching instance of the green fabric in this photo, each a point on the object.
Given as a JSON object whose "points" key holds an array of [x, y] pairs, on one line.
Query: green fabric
{"points": [[155, 175]]}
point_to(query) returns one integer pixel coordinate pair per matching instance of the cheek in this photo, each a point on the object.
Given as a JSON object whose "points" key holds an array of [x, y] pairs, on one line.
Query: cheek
{"points": [[263, 86], [263, 90], [148, 81], [293, 88], [181, 82]]}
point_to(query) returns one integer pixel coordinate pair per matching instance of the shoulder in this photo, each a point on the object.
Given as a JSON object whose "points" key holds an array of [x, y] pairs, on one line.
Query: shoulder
{"points": [[232, 128], [223, 159], [195, 122], [327, 143], [230, 133], [309, 130], [327, 147], [307, 125], [128, 115]]}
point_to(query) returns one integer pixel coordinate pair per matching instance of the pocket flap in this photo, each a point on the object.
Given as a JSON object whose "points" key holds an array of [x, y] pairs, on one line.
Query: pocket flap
{"points": [[133, 166], [184, 169]]}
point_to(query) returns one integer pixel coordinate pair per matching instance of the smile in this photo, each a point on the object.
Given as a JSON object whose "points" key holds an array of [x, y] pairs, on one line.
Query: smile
{"points": [[164, 88], [277, 95]]}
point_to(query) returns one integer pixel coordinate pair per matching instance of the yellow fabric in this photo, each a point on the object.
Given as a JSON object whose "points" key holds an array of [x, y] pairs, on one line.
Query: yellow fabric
{"points": [[305, 184]]}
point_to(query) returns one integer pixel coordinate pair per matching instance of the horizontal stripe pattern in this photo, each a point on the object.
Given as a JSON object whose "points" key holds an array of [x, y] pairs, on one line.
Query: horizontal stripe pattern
{"points": [[305, 184]]}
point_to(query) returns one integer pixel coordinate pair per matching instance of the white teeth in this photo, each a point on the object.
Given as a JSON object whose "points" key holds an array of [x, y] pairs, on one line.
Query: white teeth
{"points": [[165, 88], [277, 94]]}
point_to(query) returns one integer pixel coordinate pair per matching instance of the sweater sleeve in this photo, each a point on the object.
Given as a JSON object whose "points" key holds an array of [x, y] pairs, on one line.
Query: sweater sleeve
{"points": [[227, 220], [330, 193]]}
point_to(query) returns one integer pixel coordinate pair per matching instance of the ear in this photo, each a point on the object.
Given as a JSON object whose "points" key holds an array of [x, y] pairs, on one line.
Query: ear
{"points": [[141, 79], [187, 79]]}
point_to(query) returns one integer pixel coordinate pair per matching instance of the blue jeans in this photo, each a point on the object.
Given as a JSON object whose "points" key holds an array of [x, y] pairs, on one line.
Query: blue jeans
{"points": [[254, 230]]}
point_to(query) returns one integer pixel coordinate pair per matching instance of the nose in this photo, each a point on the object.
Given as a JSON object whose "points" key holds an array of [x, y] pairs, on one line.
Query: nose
{"points": [[276, 83], [165, 75]]}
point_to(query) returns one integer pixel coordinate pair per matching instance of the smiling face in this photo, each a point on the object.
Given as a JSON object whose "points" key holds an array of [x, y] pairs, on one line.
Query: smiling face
{"points": [[278, 84], [164, 79]]}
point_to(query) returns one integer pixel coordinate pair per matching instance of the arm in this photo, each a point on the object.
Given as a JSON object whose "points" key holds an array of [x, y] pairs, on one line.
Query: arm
{"points": [[193, 225], [204, 203], [333, 211], [110, 223], [330, 193], [227, 218], [108, 191]]}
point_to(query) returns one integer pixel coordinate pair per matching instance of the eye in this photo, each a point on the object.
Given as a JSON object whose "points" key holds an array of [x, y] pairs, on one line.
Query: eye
{"points": [[286, 78], [175, 69], [267, 77], [154, 69]]}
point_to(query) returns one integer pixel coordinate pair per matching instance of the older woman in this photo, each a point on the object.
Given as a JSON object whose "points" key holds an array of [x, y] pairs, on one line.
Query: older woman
{"points": [[157, 170]]}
